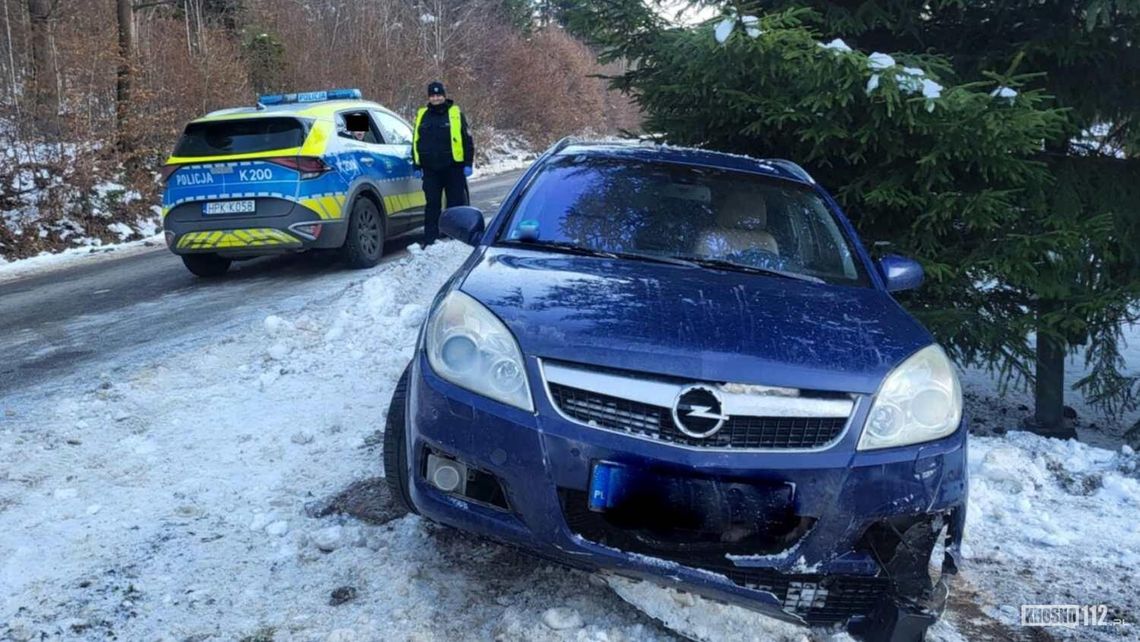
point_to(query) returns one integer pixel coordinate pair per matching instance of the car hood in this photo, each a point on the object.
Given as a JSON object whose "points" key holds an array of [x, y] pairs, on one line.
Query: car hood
{"points": [[695, 323]]}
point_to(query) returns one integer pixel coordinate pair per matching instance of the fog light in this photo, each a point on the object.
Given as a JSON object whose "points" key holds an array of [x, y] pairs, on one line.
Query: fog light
{"points": [[447, 475], [446, 478], [169, 239]]}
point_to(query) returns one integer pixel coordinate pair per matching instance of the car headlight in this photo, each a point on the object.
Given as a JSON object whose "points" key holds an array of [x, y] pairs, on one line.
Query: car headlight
{"points": [[921, 400], [470, 347]]}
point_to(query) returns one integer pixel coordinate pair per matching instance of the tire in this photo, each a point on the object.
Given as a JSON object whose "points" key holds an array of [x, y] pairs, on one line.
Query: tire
{"points": [[364, 243], [207, 266], [395, 447]]}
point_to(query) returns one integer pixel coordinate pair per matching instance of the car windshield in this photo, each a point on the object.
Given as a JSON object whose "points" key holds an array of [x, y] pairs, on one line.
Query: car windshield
{"points": [[713, 218]]}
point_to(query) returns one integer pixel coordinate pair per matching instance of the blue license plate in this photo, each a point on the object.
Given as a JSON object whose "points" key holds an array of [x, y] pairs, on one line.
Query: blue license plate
{"points": [[620, 488], [609, 483]]}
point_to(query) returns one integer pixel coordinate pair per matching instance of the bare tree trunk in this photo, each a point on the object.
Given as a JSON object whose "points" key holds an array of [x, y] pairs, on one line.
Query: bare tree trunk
{"points": [[123, 75], [1049, 388], [12, 61], [45, 91]]}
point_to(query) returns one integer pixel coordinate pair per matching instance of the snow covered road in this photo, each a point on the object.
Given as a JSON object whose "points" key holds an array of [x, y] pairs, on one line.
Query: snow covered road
{"points": [[216, 484]]}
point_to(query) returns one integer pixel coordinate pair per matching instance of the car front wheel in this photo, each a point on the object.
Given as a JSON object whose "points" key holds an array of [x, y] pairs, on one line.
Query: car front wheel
{"points": [[395, 447]]}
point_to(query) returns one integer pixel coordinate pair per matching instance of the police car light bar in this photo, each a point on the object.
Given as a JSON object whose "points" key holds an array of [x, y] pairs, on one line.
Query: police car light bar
{"points": [[309, 97]]}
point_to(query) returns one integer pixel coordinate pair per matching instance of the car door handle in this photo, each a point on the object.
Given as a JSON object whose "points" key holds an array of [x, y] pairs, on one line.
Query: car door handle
{"points": [[367, 161]]}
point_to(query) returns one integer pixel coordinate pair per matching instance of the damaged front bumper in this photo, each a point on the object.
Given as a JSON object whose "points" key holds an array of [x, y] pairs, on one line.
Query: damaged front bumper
{"points": [[834, 536]]}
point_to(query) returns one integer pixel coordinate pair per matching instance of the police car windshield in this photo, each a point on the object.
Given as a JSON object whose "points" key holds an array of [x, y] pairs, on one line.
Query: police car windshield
{"points": [[244, 136], [713, 217]]}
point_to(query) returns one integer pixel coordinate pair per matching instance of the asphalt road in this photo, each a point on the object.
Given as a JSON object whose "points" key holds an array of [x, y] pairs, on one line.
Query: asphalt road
{"points": [[57, 323]]}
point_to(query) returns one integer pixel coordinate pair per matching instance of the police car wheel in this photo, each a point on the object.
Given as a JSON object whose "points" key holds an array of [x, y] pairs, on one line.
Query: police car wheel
{"points": [[365, 241], [395, 449], [206, 265]]}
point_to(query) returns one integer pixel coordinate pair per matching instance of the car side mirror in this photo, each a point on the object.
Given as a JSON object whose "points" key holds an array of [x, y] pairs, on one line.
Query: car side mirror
{"points": [[900, 272], [462, 223]]}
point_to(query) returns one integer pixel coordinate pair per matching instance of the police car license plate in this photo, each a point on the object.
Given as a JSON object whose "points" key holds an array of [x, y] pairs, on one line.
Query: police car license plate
{"points": [[229, 207]]}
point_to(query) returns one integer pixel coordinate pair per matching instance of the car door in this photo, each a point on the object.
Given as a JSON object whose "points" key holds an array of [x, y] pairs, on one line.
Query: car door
{"points": [[379, 163], [398, 143]]}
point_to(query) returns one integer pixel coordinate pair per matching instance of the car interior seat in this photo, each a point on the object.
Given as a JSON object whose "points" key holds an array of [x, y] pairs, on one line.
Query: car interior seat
{"points": [[741, 224]]}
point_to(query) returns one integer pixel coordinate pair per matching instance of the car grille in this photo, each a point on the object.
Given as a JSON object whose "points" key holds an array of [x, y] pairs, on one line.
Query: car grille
{"points": [[819, 599], [639, 418]]}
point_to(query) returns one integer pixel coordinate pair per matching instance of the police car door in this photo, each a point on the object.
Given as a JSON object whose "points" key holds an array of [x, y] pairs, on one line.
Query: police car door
{"points": [[364, 143], [398, 143]]}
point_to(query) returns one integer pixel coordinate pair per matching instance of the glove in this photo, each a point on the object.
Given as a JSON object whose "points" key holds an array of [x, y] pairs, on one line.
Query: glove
{"points": [[467, 170], [418, 173]]}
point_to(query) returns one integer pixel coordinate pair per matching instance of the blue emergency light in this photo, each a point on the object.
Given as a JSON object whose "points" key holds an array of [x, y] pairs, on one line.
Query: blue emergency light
{"points": [[309, 97]]}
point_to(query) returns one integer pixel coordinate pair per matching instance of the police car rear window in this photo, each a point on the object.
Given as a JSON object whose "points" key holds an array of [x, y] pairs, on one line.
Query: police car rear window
{"points": [[240, 136]]}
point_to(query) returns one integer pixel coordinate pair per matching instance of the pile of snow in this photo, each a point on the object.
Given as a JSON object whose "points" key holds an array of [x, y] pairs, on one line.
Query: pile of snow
{"points": [[47, 261], [168, 499], [707, 621], [1052, 522]]}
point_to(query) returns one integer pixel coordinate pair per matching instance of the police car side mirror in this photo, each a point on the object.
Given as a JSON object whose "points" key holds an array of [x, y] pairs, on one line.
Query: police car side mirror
{"points": [[462, 223]]}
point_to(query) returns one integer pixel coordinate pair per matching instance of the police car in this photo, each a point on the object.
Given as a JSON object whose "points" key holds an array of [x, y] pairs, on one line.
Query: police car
{"points": [[317, 170]]}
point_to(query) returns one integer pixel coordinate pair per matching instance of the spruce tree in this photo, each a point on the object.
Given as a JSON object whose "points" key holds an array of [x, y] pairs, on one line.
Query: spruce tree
{"points": [[958, 150]]}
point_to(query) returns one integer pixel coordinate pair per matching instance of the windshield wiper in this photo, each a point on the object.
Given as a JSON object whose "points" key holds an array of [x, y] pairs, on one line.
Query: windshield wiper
{"points": [[562, 246], [722, 264], [573, 248]]}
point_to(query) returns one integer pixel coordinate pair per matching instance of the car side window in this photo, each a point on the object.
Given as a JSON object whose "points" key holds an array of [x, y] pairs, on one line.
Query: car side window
{"points": [[358, 125], [396, 131]]}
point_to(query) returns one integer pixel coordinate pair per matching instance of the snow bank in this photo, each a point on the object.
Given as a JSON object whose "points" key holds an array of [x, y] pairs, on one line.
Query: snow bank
{"points": [[1052, 522], [47, 262], [166, 500]]}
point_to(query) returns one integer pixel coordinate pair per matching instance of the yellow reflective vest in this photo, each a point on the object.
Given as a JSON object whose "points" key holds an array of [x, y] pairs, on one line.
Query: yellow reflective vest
{"points": [[455, 119]]}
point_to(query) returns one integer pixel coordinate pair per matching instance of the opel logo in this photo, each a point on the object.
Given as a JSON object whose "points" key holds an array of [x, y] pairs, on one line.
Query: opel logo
{"points": [[698, 412]]}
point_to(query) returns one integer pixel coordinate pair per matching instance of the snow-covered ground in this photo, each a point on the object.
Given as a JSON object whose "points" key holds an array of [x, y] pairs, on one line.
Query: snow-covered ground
{"points": [[167, 500], [48, 261], [504, 152], [197, 494]]}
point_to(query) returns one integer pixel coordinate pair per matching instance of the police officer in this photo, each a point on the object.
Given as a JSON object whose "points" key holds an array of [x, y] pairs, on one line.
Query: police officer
{"points": [[442, 154]]}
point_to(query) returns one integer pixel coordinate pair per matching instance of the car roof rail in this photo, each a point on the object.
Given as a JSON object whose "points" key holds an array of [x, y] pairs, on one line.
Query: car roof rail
{"points": [[791, 168], [565, 142]]}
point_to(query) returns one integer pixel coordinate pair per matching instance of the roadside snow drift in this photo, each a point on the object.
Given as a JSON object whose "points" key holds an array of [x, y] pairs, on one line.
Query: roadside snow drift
{"points": [[167, 501]]}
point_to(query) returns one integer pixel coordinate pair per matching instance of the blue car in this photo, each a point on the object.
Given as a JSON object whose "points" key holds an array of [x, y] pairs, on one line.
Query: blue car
{"points": [[683, 366]]}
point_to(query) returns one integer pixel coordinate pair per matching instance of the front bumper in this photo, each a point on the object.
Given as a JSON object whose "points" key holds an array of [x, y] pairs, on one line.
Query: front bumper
{"points": [[850, 510]]}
